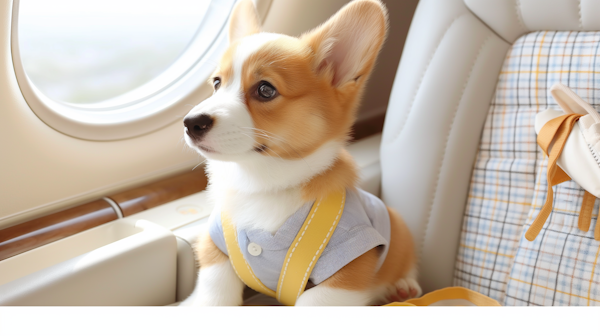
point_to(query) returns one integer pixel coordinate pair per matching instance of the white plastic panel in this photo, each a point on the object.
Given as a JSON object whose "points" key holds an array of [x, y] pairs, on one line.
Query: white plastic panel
{"points": [[136, 267], [65, 249]]}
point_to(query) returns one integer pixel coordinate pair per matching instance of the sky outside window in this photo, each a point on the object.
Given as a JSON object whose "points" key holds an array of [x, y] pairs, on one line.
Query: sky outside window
{"points": [[89, 51]]}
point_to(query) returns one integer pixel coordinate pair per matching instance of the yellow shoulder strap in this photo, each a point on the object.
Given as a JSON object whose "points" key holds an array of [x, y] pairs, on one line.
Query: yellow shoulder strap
{"points": [[308, 246], [302, 255], [240, 265]]}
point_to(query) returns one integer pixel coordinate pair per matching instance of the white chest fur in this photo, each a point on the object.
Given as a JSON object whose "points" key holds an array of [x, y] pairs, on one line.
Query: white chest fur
{"points": [[265, 210], [264, 192]]}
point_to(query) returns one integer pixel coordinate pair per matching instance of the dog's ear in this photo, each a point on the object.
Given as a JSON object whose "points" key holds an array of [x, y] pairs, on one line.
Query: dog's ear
{"points": [[347, 45], [244, 21]]}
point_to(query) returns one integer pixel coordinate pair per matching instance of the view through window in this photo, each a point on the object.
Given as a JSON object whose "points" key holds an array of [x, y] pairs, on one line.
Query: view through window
{"points": [[90, 51]]}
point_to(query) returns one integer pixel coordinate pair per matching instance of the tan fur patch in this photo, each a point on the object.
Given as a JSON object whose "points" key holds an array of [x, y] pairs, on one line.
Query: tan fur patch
{"points": [[207, 252], [401, 256], [244, 21], [225, 69], [308, 111], [360, 273], [342, 174]]}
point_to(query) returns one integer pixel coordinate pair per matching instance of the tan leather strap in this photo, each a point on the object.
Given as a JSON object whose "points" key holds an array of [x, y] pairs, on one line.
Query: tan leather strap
{"points": [[554, 131], [303, 254], [585, 215]]}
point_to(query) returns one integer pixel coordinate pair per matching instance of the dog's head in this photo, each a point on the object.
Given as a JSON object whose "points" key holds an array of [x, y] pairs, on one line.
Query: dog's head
{"points": [[286, 97]]}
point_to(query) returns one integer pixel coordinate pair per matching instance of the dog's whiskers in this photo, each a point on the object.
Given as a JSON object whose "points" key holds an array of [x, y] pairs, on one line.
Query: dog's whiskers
{"points": [[262, 146], [265, 150], [196, 166], [269, 135], [265, 135]]}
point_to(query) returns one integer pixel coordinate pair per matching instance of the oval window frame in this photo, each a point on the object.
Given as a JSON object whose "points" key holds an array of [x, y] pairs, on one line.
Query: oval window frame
{"points": [[143, 110]]}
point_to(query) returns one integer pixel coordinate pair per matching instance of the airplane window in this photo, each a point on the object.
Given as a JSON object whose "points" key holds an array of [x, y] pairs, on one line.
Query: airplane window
{"points": [[86, 66], [90, 51]]}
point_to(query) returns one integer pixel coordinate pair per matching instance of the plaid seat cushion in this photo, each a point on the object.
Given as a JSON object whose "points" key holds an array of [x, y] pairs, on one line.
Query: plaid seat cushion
{"points": [[508, 184]]}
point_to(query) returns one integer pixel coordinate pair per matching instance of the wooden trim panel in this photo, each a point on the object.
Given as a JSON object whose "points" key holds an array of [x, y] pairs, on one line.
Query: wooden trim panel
{"points": [[41, 231], [161, 192]]}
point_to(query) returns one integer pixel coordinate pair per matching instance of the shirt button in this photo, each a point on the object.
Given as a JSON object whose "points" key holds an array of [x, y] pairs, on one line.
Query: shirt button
{"points": [[254, 249]]}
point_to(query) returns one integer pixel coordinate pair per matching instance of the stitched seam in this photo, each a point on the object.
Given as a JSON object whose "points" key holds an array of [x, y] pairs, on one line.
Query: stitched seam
{"points": [[519, 14], [446, 145], [423, 76], [294, 249], [596, 157], [580, 16], [322, 244]]}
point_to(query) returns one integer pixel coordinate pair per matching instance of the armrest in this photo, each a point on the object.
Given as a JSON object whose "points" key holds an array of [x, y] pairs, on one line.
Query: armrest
{"points": [[125, 262]]}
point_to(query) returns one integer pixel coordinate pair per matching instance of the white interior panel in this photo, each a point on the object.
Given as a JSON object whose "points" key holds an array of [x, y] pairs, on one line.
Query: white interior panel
{"points": [[51, 254], [136, 270]]}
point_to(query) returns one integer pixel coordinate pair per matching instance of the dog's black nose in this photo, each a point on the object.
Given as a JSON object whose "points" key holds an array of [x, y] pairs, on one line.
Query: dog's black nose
{"points": [[198, 125]]}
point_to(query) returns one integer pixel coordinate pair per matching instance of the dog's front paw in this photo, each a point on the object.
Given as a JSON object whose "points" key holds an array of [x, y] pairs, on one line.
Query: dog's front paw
{"points": [[405, 289]]}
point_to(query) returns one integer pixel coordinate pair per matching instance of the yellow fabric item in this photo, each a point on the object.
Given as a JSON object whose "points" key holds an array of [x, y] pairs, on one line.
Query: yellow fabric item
{"points": [[555, 131], [452, 294], [302, 255], [308, 246], [240, 265]]}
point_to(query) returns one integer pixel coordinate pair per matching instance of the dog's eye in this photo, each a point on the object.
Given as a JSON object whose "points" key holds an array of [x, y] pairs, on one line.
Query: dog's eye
{"points": [[216, 83], [266, 91]]}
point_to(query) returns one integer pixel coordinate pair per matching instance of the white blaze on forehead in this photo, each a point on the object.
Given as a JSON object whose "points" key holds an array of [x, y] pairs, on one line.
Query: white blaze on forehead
{"points": [[247, 47]]}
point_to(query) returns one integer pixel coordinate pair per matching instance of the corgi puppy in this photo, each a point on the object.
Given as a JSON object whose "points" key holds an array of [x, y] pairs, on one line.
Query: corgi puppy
{"points": [[273, 134]]}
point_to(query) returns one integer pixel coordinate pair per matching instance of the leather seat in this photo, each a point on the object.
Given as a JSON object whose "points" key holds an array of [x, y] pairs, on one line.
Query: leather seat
{"points": [[443, 92]]}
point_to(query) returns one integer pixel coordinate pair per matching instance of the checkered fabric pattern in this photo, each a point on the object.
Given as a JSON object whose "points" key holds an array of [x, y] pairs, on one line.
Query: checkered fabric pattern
{"points": [[508, 184]]}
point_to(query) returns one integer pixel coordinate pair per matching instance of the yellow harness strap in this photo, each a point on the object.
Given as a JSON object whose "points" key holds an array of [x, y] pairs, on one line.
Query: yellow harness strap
{"points": [[240, 265], [557, 130], [302, 255]]}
